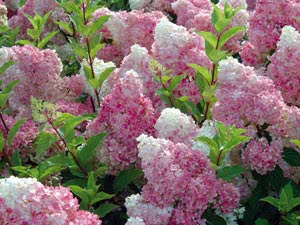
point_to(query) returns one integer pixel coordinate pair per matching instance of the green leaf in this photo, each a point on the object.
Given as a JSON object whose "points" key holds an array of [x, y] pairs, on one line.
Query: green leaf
{"points": [[24, 42], [228, 34], [82, 194], [13, 130], [2, 142], [209, 37], [218, 19], [229, 172], [216, 55], [98, 23], [261, 221], [46, 39], [291, 156], [5, 66], [235, 141], [105, 209], [49, 171], [175, 82], [210, 142], [94, 83], [44, 141], [286, 194], [91, 184], [291, 219], [296, 142], [16, 159], [202, 70], [104, 75], [100, 196], [293, 203], [65, 26], [87, 152], [60, 160], [209, 92], [273, 201], [162, 91], [201, 82], [125, 177]]}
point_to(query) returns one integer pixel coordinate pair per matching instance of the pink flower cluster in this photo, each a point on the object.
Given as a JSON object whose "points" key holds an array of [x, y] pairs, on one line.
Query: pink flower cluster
{"points": [[196, 15], [181, 178], [38, 72], [265, 26], [25, 201], [125, 114], [139, 60], [127, 29], [283, 69], [249, 100], [151, 5], [147, 213], [261, 156], [253, 98], [23, 138], [174, 47], [176, 127], [40, 7]]}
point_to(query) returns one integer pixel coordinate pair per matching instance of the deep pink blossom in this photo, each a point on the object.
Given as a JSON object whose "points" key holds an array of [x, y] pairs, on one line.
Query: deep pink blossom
{"points": [[125, 114]]}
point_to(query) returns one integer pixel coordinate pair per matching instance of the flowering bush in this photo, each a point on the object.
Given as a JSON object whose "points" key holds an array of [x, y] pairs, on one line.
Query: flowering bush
{"points": [[149, 112]]}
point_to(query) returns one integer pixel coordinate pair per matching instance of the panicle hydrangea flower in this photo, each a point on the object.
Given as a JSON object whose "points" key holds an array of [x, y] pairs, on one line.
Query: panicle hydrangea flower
{"points": [[228, 197], [283, 69], [176, 126], [147, 213], [176, 174], [174, 47], [23, 138], [244, 97], [139, 60], [265, 26], [196, 15], [135, 221], [151, 5], [25, 201], [3, 15], [190, 11], [38, 72], [125, 114], [262, 156], [246, 184], [135, 27], [111, 51], [40, 7], [251, 4]]}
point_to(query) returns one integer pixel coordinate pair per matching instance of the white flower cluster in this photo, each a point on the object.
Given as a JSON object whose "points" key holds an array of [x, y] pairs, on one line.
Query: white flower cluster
{"points": [[168, 34], [175, 126], [290, 38], [135, 221], [13, 189], [228, 70], [3, 15], [148, 147], [137, 208]]}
